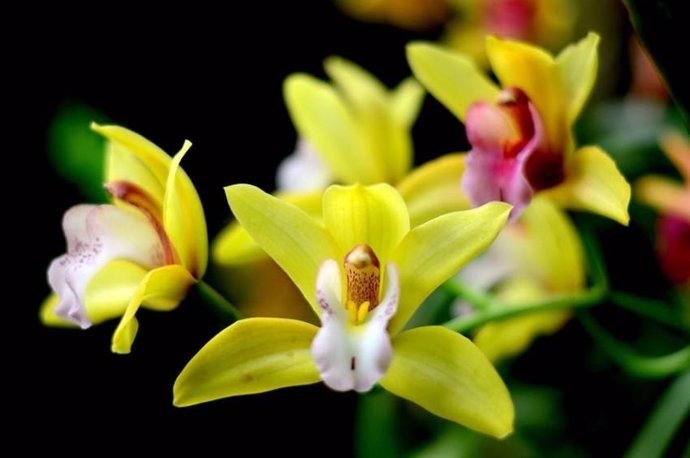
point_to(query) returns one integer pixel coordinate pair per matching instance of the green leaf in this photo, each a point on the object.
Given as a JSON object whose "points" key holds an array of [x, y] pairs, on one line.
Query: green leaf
{"points": [[671, 409], [78, 153], [662, 27]]}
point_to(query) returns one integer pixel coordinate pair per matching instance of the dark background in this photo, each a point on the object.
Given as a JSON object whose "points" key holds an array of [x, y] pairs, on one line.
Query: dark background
{"points": [[212, 73]]}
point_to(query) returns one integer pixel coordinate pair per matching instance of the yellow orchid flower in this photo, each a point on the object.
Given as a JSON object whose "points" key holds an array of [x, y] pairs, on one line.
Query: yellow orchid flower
{"points": [[521, 135], [536, 256], [145, 249], [353, 130], [364, 272], [672, 201]]}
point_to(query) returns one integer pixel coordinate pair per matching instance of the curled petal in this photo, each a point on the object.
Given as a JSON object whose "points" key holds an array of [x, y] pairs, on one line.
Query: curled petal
{"points": [[97, 234], [161, 289]]}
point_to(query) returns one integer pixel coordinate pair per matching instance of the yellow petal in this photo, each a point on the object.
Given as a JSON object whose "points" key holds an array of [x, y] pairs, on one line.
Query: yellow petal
{"points": [[132, 158], [234, 246], [290, 236], [508, 338], [446, 374], [161, 289], [406, 101], [578, 65], [450, 77], [183, 217], [387, 141], [360, 87], [433, 252], [49, 318], [251, 356], [546, 244], [375, 215], [677, 149], [109, 291], [593, 183], [535, 72], [666, 196], [322, 117], [433, 189]]}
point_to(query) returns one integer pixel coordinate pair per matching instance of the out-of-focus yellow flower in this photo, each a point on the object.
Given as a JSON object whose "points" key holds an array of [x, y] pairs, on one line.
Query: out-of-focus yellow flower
{"points": [[535, 257], [547, 23], [672, 200], [521, 135], [143, 250], [407, 14], [364, 272]]}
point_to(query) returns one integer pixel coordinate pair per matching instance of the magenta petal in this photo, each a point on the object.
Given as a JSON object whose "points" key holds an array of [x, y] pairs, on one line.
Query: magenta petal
{"points": [[491, 174]]}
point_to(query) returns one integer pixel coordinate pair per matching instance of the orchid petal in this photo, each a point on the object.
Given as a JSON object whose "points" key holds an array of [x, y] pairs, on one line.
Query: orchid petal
{"points": [[109, 291], [234, 246], [433, 189], [534, 71], [677, 148], [594, 183], [289, 235], [183, 217], [253, 355], [450, 77], [48, 316], [322, 118], [578, 65], [161, 289], [134, 159], [388, 142], [449, 376], [434, 251], [663, 194], [406, 101], [375, 215], [546, 243]]}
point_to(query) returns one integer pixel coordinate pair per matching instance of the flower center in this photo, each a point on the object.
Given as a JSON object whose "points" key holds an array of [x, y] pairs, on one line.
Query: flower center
{"points": [[363, 272]]}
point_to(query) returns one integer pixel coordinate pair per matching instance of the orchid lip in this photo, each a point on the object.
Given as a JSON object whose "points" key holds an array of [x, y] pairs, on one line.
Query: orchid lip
{"points": [[352, 350]]}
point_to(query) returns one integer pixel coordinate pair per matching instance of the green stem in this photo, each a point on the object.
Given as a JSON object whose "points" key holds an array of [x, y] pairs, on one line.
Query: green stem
{"points": [[650, 308], [632, 362], [658, 429], [218, 302], [479, 299], [500, 312]]}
